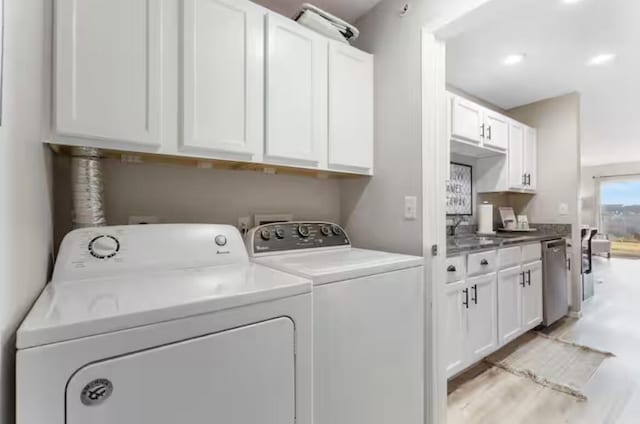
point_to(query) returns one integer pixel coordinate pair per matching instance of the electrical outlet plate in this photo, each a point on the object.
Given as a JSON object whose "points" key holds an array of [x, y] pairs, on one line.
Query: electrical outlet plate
{"points": [[244, 224]]}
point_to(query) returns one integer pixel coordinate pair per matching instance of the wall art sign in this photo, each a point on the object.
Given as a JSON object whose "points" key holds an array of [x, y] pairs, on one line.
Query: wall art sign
{"points": [[460, 190]]}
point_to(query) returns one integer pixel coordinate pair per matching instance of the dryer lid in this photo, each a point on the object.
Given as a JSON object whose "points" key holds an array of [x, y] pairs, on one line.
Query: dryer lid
{"points": [[75, 309], [327, 266]]}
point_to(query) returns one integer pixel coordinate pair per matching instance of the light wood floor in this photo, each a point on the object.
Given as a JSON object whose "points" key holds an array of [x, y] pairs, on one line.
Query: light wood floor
{"points": [[610, 322]]}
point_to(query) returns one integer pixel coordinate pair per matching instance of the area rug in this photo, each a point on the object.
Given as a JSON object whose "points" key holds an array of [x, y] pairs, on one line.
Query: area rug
{"points": [[560, 365]]}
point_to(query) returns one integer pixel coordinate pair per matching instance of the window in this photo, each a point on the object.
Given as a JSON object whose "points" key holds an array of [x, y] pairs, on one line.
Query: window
{"points": [[620, 215]]}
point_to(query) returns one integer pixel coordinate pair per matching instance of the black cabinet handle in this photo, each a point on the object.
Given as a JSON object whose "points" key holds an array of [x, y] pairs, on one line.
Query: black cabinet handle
{"points": [[489, 133], [475, 294], [529, 277], [451, 268], [484, 262], [466, 298], [524, 179], [569, 264], [482, 130], [522, 283], [528, 181]]}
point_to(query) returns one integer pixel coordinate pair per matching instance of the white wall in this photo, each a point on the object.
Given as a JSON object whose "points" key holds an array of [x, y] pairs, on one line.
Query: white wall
{"points": [[25, 201], [373, 211], [178, 193], [557, 121], [587, 187]]}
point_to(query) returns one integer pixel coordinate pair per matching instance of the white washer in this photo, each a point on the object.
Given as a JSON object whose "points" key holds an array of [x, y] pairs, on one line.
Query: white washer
{"points": [[165, 324], [368, 322]]}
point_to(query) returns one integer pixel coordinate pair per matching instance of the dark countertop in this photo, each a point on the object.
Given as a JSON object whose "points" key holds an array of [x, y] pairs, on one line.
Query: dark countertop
{"points": [[461, 245]]}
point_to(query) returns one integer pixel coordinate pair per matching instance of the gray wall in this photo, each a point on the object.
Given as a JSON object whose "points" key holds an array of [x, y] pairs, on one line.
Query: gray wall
{"points": [[373, 211], [178, 194], [25, 199], [558, 123]]}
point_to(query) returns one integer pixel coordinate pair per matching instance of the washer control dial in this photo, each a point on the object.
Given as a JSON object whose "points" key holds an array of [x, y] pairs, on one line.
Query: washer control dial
{"points": [[265, 234], [304, 231], [325, 230], [221, 240], [336, 230], [104, 246], [280, 233]]}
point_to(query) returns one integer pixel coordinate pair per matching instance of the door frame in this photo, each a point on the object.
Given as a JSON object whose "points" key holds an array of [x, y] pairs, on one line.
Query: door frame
{"points": [[435, 168]]}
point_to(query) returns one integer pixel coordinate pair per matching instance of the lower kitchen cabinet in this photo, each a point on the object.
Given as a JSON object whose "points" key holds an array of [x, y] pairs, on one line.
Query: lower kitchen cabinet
{"points": [[482, 313], [532, 295], [482, 337], [470, 321], [510, 283], [455, 326]]}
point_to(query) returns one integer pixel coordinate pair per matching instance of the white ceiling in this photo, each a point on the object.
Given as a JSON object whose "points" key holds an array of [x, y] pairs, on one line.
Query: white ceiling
{"points": [[348, 10], [558, 39]]}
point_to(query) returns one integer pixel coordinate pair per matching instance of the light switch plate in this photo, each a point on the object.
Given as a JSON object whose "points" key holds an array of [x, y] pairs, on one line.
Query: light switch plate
{"points": [[410, 208]]}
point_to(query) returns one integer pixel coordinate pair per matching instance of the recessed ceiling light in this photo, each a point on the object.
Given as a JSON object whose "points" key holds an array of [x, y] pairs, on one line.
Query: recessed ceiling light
{"points": [[571, 1], [513, 59], [601, 59]]}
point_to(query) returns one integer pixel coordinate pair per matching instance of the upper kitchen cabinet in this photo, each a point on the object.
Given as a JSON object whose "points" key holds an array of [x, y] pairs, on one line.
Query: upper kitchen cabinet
{"points": [[296, 102], [476, 131], [496, 130], [222, 77], [516, 154], [108, 72], [530, 158], [467, 120], [350, 108]]}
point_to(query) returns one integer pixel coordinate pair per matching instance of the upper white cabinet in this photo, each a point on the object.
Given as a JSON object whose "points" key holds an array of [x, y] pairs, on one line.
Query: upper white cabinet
{"points": [[530, 158], [222, 76], [108, 71], [210, 79], [350, 108], [296, 92], [496, 130], [515, 156], [467, 120]]}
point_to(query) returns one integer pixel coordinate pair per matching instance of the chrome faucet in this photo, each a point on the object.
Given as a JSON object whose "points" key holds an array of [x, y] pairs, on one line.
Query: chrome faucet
{"points": [[456, 224]]}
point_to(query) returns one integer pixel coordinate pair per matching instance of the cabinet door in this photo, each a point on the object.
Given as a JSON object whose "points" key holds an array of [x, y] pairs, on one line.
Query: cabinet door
{"points": [[296, 93], [510, 300], [496, 130], [467, 120], [108, 68], [223, 73], [531, 157], [350, 108], [455, 327], [532, 299], [482, 338], [515, 155]]}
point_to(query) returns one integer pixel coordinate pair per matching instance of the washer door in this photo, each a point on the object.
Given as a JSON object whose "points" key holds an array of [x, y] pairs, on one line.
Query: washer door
{"points": [[240, 376]]}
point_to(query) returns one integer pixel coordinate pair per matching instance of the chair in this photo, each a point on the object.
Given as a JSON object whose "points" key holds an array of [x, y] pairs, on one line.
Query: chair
{"points": [[601, 245]]}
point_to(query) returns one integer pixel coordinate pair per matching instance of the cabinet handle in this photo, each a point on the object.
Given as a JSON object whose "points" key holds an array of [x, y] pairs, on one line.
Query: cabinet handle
{"points": [[451, 268], [529, 277], [484, 262], [524, 179], [475, 294], [568, 264], [489, 132], [482, 131], [523, 284], [466, 298], [529, 179]]}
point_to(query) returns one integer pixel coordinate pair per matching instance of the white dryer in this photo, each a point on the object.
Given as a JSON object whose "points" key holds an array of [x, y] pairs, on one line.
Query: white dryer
{"points": [[165, 324], [368, 321]]}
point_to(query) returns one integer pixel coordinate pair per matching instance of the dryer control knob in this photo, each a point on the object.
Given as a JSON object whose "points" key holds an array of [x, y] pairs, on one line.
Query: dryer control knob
{"points": [[336, 230], [104, 246]]}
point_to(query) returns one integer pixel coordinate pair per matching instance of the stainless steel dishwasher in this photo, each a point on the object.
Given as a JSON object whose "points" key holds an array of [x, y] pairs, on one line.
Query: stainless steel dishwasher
{"points": [[554, 283]]}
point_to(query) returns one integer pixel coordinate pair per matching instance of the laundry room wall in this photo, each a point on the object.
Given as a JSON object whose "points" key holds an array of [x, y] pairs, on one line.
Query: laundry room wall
{"points": [[25, 178], [373, 210], [183, 194]]}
